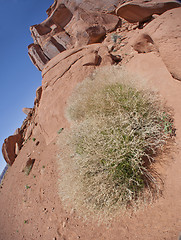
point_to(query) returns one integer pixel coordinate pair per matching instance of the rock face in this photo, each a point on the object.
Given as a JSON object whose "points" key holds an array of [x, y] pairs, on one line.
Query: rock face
{"points": [[76, 39], [165, 32], [67, 49], [64, 29], [11, 147], [38, 96], [91, 5], [58, 84], [38, 58], [139, 12], [87, 27]]}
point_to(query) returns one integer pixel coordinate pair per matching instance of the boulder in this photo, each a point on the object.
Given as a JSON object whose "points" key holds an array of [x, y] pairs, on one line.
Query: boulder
{"points": [[140, 12], [51, 48], [65, 29], [9, 148], [91, 59], [63, 39], [57, 20], [165, 31], [38, 58], [144, 44], [87, 27], [96, 34]]}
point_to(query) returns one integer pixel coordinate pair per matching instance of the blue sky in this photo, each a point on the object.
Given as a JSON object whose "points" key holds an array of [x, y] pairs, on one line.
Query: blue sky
{"points": [[19, 78]]}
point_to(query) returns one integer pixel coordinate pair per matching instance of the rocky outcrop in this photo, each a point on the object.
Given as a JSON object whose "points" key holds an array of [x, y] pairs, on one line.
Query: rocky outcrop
{"points": [[87, 27], [91, 5], [11, 146], [165, 32], [27, 110], [70, 44], [139, 12], [38, 96], [38, 58], [65, 29]]}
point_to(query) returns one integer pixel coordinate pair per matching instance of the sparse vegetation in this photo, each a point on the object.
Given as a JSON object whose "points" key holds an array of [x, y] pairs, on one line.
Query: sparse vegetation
{"points": [[115, 37], [60, 130], [117, 131], [27, 186]]}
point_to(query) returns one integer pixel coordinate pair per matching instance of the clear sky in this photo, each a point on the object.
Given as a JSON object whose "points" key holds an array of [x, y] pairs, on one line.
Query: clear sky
{"points": [[19, 78]]}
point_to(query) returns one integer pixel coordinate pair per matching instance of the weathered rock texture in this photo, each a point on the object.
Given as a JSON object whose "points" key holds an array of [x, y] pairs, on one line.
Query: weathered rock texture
{"points": [[65, 29], [90, 5], [65, 48], [165, 32], [140, 12], [144, 44], [58, 84], [11, 147], [75, 39], [27, 110]]}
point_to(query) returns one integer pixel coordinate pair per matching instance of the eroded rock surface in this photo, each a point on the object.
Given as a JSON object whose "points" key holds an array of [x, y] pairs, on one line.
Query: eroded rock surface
{"points": [[27, 110], [11, 147], [70, 44], [37, 207], [65, 29], [165, 32], [58, 84], [139, 12], [144, 44]]}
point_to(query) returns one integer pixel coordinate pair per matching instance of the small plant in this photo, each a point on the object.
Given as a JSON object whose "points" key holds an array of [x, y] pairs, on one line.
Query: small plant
{"points": [[168, 124], [117, 132], [43, 166], [115, 37], [25, 221], [60, 130], [27, 186], [34, 139]]}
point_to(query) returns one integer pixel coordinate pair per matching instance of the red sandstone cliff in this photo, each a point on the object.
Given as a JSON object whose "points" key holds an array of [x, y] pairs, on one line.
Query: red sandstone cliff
{"points": [[75, 39]]}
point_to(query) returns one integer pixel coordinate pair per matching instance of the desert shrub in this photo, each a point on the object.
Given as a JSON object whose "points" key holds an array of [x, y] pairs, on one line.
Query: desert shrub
{"points": [[117, 129]]}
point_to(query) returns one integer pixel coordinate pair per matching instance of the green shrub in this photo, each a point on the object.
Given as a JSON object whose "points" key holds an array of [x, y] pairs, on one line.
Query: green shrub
{"points": [[117, 130]]}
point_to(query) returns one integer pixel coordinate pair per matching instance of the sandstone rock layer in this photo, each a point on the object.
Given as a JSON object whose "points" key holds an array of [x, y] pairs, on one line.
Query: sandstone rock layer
{"points": [[65, 29], [58, 84], [11, 147], [139, 12]]}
